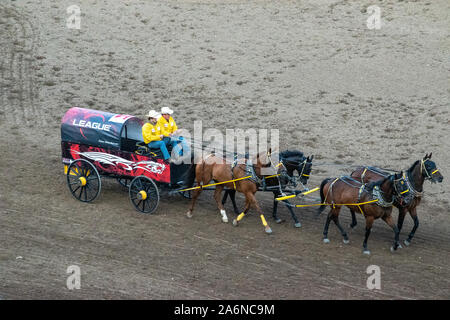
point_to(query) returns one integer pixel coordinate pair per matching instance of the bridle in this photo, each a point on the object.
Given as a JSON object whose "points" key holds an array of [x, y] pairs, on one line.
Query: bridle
{"points": [[423, 168], [294, 180]]}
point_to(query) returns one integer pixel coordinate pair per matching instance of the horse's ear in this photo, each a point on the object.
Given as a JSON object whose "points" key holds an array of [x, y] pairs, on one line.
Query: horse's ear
{"points": [[426, 156], [307, 159], [429, 157], [312, 157]]}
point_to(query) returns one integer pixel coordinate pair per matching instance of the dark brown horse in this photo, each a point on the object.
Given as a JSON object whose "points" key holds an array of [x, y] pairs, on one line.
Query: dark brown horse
{"points": [[347, 191], [214, 168], [415, 176]]}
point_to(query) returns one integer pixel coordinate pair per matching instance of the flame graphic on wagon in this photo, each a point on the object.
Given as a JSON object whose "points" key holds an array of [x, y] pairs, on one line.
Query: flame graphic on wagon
{"points": [[105, 158]]}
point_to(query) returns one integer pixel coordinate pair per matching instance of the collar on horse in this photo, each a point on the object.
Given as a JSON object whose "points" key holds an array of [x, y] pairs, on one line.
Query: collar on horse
{"points": [[409, 183], [377, 194]]}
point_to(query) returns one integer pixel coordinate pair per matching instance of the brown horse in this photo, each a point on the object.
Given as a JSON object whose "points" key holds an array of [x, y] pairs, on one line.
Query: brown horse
{"points": [[348, 191], [215, 168], [415, 176]]}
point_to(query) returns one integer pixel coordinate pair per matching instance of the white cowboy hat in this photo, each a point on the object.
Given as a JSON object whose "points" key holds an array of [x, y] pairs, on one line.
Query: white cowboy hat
{"points": [[166, 110], [153, 114]]}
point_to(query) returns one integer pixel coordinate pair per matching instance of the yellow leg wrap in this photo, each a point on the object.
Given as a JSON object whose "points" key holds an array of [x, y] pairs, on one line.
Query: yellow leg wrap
{"points": [[239, 218], [264, 222]]}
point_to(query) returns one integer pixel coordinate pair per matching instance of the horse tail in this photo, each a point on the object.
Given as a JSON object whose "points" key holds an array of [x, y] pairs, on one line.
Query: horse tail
{"points": [[190, 176], [322, 196]]}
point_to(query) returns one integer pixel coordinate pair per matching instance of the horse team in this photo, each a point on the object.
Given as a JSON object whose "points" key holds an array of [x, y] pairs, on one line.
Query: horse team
{"points": [[368, 190]]}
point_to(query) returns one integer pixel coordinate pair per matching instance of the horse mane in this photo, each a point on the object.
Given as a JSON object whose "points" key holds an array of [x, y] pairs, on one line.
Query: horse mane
{"points": [[414, 165], [378, 183], [291, 154]]}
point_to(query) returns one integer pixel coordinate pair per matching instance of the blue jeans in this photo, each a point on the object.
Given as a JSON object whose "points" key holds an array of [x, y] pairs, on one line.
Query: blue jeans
{"points": [[162, 146], [178, 144]]}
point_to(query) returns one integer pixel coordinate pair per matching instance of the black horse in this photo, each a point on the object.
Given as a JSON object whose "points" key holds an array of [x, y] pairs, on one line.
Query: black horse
{"points": [[290, 162]]}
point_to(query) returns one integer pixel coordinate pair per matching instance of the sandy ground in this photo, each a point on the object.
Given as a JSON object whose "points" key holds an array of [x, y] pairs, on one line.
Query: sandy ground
{"points": [[312, 69]]}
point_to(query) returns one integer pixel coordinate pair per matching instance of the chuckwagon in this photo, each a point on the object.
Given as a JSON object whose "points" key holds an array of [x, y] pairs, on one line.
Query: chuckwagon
{"points": [[97, 144]]}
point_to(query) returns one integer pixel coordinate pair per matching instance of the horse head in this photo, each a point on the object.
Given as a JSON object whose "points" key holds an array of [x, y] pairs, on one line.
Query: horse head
{"points": [[429, 169], [296, 161]]}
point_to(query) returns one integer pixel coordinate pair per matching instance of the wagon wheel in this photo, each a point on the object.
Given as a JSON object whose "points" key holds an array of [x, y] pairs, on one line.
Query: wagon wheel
{"points": [[186, 194], [124, 182], [144, 194], [83, 180]]}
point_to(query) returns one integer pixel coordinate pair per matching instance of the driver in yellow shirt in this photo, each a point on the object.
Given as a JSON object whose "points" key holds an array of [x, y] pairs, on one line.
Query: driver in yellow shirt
{"points": [[169, 129], [168, 125], [151, 132]]}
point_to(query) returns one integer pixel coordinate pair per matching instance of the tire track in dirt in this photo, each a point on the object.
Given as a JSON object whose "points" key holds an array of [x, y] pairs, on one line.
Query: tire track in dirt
{"points": [[18, 86]]}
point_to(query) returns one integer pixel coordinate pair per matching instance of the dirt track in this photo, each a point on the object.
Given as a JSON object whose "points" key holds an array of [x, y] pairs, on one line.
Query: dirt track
{"points": [[335, 89]]}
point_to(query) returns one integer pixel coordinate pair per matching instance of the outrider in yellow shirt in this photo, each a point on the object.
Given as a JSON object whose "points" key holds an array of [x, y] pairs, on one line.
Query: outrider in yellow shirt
{"points": [[151, 132], [167, 127]]}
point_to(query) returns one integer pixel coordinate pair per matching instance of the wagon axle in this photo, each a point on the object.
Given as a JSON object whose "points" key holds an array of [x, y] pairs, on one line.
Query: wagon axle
{"points": [[142, 195]]}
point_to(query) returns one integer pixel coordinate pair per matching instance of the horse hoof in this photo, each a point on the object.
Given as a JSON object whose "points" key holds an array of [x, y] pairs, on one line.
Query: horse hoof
{"points": [[346, 241], [326, 240], [279, 220], [225, 220], [352, 226], [367, 252], [189, 214], [235, 223], [407, 243], [399, 246], [298, 225], [393, 249], [268, 230]]}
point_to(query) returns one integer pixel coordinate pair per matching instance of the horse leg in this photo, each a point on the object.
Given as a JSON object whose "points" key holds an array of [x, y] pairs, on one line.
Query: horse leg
{"points": [[252, 201], [275, 210], [240, 216], [401, 217], [225, 196], [413, 214], [275, 207], [233, 201], [194, 199], [297, 223], [336, 222], [369, 223], [354, 222], [388, 219], [217, 194], [327, 225]]}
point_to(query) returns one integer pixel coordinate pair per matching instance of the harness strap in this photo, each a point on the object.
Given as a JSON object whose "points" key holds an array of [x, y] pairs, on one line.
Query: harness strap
{"points": [[361, 190], [362, 212], [363, 174], [335, 204], [329, 190], [232, 169]]}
